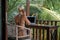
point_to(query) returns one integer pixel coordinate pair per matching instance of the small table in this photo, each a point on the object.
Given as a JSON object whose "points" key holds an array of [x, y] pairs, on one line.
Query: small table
{"points": [[47, 27]]}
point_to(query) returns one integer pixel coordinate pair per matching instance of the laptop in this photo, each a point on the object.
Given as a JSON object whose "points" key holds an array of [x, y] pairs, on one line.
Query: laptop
{"points": [[32, 19]]}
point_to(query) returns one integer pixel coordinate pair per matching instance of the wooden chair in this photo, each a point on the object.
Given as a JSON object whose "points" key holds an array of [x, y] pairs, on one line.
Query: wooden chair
{"points": [[28, 33]]}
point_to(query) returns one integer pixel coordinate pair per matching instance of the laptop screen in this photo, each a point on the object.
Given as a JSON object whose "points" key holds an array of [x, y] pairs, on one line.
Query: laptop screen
{"points": [[32, 19]]}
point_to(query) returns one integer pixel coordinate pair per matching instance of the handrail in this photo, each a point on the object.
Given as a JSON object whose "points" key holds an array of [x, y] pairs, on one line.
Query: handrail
{"points": [[48, 22]]}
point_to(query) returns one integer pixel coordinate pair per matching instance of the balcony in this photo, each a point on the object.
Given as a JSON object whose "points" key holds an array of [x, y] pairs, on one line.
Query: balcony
{"points": [[48, 30]]}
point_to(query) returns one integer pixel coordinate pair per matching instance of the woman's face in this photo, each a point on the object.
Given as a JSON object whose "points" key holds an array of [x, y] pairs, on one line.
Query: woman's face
{"points": [[21, 12]]}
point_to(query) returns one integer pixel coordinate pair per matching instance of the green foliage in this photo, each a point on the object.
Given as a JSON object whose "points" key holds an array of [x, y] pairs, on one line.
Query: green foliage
{"points": [[12, 8], [52, 5], [46, 16], [36, 8]]}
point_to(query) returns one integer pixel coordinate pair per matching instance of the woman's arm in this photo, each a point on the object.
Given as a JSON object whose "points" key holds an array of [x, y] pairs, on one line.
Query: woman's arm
{"points": [[27, 21]]}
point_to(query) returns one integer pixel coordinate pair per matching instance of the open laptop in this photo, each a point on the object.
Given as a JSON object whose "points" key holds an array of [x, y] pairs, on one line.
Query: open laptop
{"points": [[32, 19]]}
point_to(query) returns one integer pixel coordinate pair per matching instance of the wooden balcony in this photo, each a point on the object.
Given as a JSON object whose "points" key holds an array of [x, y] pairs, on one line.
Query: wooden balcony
{"points": [[46, 30]]}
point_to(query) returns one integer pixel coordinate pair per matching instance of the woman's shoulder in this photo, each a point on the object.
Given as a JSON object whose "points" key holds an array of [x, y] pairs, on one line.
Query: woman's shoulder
{"points": [[16, 16]]}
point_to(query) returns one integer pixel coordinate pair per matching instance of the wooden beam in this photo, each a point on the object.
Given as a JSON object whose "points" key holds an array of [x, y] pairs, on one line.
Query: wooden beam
{"points": [[27, 7], [6, 32]]}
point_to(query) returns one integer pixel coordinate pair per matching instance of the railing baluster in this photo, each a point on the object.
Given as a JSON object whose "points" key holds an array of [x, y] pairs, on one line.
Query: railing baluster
{"points": [[36, 34], [55, 34], [39, 34], [56, 30], [33, 33], [51, 35], [59, 35], [46, 35], [43, 34]]}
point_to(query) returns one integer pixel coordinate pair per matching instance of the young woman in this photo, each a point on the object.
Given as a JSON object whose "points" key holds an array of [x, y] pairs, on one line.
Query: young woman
{"points": [[20, 20]]}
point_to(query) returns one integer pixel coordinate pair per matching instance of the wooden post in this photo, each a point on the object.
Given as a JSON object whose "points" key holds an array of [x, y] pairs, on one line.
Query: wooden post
{"points": [[27, 7], [0, 22], [6, 32], [3, 20]]}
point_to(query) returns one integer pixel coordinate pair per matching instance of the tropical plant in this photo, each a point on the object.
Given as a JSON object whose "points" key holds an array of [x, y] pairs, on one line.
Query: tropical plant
{"points": [[43, 8]]}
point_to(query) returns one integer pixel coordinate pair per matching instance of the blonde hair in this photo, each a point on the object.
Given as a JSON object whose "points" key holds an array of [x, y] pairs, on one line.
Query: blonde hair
{"points": [[21, 7]]}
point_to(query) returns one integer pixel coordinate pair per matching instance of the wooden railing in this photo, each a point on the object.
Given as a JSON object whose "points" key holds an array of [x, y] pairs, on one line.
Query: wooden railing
{"points": [[48, 22], [42, 34]]}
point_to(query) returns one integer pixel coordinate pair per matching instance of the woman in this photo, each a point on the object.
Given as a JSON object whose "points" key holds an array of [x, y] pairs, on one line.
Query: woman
{"points": [[20, 20]]}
